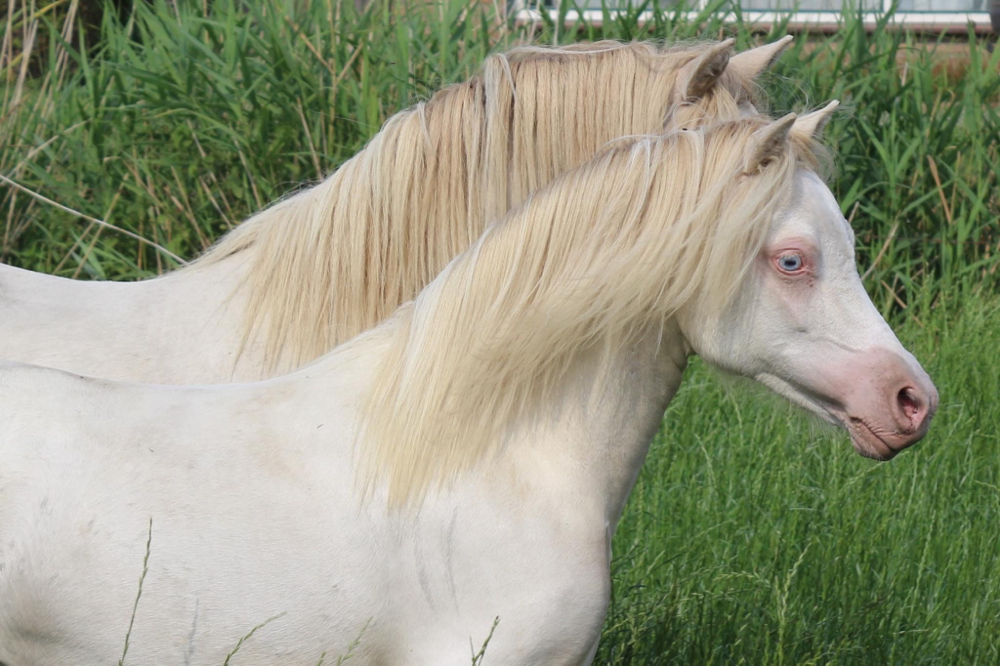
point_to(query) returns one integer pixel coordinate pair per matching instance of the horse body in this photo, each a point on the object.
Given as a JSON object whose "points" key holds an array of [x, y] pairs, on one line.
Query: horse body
{"points": [[466, 460], [257, 516], [318, 268]]}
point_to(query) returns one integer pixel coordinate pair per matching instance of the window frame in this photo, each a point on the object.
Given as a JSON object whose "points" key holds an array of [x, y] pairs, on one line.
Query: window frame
{"points": [[824, 19]]}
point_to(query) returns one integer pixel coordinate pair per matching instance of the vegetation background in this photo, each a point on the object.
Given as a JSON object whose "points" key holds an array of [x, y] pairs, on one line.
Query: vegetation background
{"points": [[751, 536]]}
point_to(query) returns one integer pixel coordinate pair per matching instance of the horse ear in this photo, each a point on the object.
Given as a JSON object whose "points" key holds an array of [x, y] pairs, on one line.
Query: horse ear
{"points": [[750, 64], [699, 76], [769, 143], [812, 124]]}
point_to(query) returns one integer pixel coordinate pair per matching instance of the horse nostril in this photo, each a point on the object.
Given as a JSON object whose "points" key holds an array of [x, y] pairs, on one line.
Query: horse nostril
{"points": [[910, 405]]}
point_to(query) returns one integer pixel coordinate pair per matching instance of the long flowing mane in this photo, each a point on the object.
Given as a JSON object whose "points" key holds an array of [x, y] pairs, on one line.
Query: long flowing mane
{"points": [[605, 253], [338, 258]]}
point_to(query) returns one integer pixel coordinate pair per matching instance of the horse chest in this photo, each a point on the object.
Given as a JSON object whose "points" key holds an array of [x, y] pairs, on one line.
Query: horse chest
{"points": [[459, 568]]}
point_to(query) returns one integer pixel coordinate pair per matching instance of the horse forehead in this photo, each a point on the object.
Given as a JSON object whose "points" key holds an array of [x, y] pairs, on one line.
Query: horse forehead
{"points": [[812, 212]]}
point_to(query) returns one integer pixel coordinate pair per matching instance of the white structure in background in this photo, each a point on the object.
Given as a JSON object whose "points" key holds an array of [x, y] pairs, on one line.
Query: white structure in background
{"points": [[933, 14]]}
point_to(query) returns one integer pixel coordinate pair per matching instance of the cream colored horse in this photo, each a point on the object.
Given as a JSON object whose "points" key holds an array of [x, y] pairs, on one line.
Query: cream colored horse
{"points": [[466, 460], [321, 266]]}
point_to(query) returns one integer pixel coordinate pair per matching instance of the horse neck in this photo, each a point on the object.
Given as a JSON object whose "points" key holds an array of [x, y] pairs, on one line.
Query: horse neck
{"points": [[604, 419]]}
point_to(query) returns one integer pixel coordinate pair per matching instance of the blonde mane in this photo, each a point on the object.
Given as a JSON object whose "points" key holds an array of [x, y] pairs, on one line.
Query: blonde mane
{"points": [[605, 253], [336, 259]]}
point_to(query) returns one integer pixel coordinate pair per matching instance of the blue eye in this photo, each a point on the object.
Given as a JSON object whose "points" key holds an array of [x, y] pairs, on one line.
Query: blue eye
{"points": [[790, 263]]}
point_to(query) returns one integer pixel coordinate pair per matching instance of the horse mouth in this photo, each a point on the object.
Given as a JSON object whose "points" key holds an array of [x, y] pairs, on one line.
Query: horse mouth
{"points": [[866, 441]]}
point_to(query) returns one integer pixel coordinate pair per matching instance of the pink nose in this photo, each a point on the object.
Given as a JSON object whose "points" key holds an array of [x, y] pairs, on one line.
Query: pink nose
{"points": [[914, 406]]}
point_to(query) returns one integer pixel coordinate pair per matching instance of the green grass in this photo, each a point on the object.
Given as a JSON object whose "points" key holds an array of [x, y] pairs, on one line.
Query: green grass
{"points": [[176, 123], [751, 535]]}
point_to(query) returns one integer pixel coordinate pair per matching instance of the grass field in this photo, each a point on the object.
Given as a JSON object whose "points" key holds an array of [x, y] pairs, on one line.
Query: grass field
{"points": [[752, 535], [755, 536]]}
